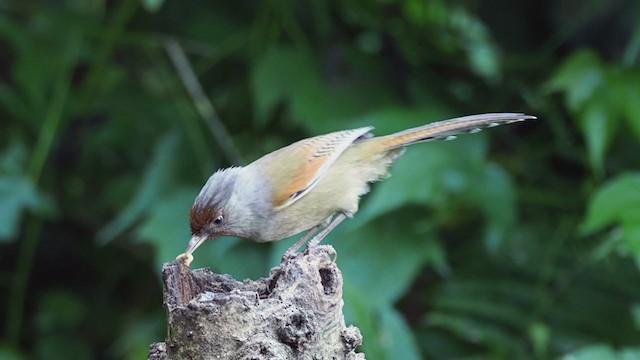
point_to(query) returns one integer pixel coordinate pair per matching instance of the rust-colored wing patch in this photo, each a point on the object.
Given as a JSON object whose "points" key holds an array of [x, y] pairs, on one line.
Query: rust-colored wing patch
{"points": [[306, 161]]}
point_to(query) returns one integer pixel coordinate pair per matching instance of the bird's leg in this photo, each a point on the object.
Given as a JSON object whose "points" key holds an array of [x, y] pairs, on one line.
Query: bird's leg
{"points": [[316, 239], [294, 248], [321, 235]]}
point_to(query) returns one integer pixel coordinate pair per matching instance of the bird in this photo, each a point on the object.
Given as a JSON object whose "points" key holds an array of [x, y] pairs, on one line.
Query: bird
{"points": [[311, 185]]}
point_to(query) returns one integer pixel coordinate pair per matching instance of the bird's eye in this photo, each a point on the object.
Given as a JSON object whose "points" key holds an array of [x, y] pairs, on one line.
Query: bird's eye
{"points": [[218, 220]]}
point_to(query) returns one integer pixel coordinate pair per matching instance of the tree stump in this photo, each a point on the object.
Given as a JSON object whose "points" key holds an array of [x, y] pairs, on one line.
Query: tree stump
{"points": [[295, 313]]}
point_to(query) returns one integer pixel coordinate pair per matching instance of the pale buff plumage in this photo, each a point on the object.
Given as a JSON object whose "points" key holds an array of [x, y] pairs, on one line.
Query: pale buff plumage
{"points": [[300, 186]]}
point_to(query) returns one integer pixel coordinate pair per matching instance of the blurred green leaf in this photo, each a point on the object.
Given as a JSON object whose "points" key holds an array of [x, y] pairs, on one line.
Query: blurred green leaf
{"points": [[630, 354], [424, 13], [13, 103], [155, 181], [598, 122], [540, 335], [378, 263], [396, 336], [629, 97], [17, 192], [60, 311], [594, 352], [494, 193], [152, 5], [483, 55], [494, 315], [597, 95], [167, 224], [474, 288], [486, 308], [474, 330], [358, 311], [34, 79], [436, 256], [133, 342], [578, 77], [60, 314], [13, 161], [391, 254], [617, 203], [456, 29], [385, 333], [602, 352], [7, 353], [277, 75], [635, 313], [223, 255], [292, 77], [69, 347]]}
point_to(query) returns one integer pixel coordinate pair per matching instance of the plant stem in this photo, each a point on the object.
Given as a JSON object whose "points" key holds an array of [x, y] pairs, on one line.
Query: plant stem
{"points": [[203, 105]]}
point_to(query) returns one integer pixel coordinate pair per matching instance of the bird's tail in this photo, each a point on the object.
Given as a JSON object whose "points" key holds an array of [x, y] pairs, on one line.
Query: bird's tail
{"points": [[448, 129]]}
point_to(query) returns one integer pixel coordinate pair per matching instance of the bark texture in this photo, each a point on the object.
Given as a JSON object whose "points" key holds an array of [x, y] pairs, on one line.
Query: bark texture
{"points": [[295, 313]]}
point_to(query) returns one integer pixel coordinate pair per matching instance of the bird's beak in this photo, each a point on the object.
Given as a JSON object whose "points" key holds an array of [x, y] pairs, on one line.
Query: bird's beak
{"points": [[194, 243]]}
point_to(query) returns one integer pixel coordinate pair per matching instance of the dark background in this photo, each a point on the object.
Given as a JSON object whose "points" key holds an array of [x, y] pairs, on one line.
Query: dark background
{"points": [[521, 242]]}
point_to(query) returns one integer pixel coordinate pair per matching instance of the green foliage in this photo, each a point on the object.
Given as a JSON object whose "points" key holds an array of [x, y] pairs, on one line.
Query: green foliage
{"points": [[154, 183], [59, 317], [599, 96], [520, 242], [603, 352], [617, 204], [17, 192]]}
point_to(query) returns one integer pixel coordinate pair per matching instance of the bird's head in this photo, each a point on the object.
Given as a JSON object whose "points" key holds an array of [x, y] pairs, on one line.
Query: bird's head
{"points": [[231, 203], [212, 213]]}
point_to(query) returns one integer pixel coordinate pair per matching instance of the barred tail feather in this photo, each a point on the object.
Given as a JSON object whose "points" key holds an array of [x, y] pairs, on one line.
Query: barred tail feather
{"points": [[448, 129]]}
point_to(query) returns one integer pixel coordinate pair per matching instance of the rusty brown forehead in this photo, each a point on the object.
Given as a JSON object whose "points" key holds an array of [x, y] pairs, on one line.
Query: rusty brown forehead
{"points": [[200, 216]]}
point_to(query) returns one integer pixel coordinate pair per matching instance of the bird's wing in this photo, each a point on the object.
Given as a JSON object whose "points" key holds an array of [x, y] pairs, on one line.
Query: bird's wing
{"points": [[302, 164]]}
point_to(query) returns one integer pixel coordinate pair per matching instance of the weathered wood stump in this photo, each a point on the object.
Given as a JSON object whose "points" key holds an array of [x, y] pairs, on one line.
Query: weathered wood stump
{"points": [[295, 313]]}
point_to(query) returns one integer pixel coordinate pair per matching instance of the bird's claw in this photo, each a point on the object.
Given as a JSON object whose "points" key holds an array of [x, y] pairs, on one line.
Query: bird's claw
{"points": [[289, 254]]}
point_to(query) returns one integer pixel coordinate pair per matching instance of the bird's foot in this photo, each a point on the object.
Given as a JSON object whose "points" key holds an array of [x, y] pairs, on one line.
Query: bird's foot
{"points": [[185, 258], [289, 254]]}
